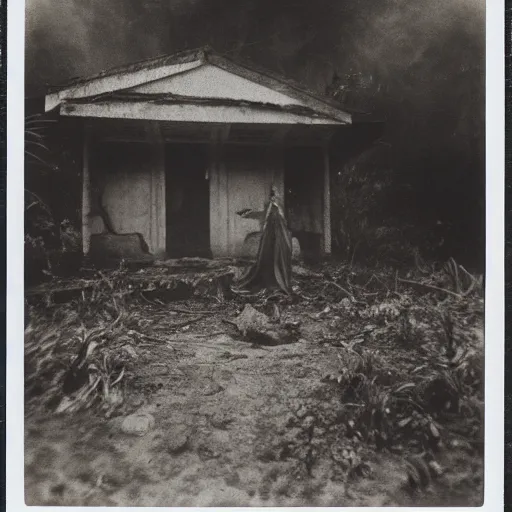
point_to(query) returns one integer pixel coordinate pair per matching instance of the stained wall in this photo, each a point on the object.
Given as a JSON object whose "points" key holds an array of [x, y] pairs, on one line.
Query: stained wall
{"points": [[129, 180], [240, 177]]}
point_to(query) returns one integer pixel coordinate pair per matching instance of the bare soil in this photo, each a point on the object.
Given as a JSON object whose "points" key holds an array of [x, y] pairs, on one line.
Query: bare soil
{"points": [[240, 424]]}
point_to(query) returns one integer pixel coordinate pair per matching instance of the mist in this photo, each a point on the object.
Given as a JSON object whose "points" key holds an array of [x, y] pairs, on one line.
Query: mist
{"points": [[309, 40]]}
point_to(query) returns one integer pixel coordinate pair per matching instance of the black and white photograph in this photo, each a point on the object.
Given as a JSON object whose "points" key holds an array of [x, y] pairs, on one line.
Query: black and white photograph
{"points": [[254, 253]]}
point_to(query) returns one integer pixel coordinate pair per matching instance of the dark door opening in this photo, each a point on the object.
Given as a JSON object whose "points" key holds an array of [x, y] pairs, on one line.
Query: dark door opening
{"points": [[187, 201], [303, 183]]}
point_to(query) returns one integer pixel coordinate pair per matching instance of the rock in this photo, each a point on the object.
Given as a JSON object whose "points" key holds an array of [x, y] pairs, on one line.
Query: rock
{"points": [[345, 303], [308, 422], [253, 322], [221, 421], [130, 351], [258, 328], [212, 388], [138, 424], [363, 469], [177, 443]]}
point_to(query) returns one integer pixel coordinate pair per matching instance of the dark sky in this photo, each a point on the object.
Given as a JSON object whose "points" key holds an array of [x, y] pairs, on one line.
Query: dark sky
{"points": [[304, 38]]}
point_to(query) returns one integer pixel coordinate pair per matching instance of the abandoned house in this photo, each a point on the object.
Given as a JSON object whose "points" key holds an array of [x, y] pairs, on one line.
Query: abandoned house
{"points": [[174, 148]]}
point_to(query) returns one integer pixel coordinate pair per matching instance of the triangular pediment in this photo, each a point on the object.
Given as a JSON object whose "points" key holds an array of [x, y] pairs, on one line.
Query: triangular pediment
{"points": [[197, 75], [209, 81]]}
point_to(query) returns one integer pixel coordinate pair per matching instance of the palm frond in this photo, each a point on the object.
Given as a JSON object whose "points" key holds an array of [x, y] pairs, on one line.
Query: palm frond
{"points": [[38, 200], [33, 133], [39, 144], [40, 121], [39, 159]]}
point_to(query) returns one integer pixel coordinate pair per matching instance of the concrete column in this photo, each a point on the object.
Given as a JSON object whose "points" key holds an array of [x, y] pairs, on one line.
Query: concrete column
{"points": [[157, 238], [86, 192], [217, 177], [327, 202]]}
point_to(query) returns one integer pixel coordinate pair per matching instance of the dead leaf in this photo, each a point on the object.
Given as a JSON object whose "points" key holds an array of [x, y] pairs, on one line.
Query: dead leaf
{"points": [[404, 422], [434, 431], [435, 469], [403, 387]]}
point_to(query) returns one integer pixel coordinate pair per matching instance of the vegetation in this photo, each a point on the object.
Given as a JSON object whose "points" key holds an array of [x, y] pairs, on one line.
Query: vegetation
{"points": [[408, 379]]}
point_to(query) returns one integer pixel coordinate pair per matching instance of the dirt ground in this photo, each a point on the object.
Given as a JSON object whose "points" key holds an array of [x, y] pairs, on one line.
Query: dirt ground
{"points": [[230, 422]]}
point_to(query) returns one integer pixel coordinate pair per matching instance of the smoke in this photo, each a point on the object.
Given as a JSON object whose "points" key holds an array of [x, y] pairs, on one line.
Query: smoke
{"points": [[67, 38], [308, 40]]}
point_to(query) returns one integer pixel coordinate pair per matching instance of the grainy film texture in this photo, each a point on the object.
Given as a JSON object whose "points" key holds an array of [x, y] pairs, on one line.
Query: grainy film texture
{"points": [[254, 252]]}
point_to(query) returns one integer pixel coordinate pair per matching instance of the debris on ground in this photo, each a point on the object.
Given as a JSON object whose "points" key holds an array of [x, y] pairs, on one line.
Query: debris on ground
{"points": [[258, 328], [386, 381]]}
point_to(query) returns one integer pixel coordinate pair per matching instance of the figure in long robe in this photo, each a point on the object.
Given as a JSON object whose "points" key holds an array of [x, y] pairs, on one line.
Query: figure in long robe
{"points": [[272, 269]]}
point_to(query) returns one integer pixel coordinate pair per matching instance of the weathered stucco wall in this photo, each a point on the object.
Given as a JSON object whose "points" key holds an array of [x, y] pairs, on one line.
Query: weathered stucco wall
{"points": [[240, 177], [209, 81], [130, 179]]}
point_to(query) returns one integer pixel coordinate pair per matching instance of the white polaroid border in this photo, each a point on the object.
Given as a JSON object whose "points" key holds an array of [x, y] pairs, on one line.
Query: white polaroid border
{"points": [[494, 295]]}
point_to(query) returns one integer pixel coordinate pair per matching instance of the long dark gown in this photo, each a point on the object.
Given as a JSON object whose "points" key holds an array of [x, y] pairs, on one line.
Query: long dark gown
{"points": [[272, 269]]}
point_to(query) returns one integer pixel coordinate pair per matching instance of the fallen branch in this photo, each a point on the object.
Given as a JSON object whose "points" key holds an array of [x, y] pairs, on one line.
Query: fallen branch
{"points": [[346, 292], [432, 287], [304, 297], [149, 301], [178, 310], [187, 312], [368, 282], [185, 322]]}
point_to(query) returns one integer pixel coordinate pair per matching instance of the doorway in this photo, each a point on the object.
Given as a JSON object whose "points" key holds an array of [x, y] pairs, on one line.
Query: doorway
{"points": [[303, 182], [187, 201]]}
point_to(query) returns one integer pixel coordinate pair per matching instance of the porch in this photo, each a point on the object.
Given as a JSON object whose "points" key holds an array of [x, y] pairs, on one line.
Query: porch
{"points": [[179, 186]]}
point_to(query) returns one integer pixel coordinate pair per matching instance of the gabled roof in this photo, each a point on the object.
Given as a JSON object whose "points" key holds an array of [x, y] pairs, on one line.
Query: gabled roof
{"points": [[199, 77]]}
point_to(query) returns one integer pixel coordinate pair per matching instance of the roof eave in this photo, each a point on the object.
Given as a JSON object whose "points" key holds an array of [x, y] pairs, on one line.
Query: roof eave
{"points": [[188, 60]]}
